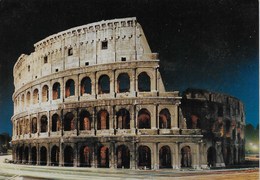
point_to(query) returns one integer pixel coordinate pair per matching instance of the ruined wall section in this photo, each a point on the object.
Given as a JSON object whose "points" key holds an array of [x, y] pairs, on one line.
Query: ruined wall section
{"points": [[221, 119], [97, 43]]}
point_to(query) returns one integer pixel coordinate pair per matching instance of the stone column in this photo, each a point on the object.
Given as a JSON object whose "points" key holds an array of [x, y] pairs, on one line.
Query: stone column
{"points": [[156, 156], [177, 156], [50, 92], [77, 84], [49, 123], [93, 123], [38, 124], [62, 90], [40, 95], [132, 82], [156, 79], [38, 154], [94, 85], [132, 119], [48, 155], [197, 155], [154, 117], [114, 118], [219, 156], [112, 155], [75, 155], [135, 82], [112, 84], [111, 118], [93, 164], [133, 158], [61, 156], [29, 154], [175, 117]]}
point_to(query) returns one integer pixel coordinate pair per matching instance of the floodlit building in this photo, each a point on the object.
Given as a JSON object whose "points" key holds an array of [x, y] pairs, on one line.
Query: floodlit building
{"points": [[93, 96]]}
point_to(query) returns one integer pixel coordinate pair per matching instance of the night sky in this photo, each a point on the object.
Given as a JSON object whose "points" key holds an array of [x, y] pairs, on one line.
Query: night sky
{"points": [[206, 44]]}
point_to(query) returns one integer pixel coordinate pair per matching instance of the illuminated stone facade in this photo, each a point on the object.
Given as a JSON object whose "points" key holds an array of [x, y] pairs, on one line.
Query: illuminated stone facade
{"points": [[92, 96]]}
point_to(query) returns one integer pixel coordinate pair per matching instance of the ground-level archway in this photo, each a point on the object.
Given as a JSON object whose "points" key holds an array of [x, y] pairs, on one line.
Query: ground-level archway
{"points": [[211, 156], [165, 157], [68, 156], [186, 158], [85, 156], [123, 157], [33, 155], [55, 152], [144, 160], [43, 156], [103, 157], [26, 155]]}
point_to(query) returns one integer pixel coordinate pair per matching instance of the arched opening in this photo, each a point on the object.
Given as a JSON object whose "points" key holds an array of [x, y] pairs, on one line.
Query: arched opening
{"points": [[21, 127], [44, 123], [55, 152], [165, 157], [193, 122], [85, 120], [144, 119], [85, 86], [55, 123], [43, 156], [228, 128], [26, 155], [70, 88], [144, 160], [102, 120], [123, 157], [123, 83], [164, 119], [123, 119], [34, 125], [69, 122], [186, 157], [103, 84], [144, 82], [85, 156], [103, 157], [35, 96], [211, 156], [28, 99], [56, 91], [68, 156], [20, 154], [45, 93], [33, 155]]}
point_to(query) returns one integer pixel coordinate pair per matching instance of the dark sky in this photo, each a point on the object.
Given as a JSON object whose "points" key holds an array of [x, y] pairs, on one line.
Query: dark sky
{"points": [[206, 44]]}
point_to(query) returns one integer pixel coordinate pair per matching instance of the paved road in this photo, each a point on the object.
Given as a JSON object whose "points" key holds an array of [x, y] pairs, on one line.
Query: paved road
{"points": [[11, 171]]}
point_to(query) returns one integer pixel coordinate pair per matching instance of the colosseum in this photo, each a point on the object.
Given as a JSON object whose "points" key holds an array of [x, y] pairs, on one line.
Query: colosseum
{"points": [[92, 96]]}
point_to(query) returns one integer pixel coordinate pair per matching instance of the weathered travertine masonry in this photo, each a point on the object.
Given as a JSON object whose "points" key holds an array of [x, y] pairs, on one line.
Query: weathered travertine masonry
{"points": [[93, 96]]}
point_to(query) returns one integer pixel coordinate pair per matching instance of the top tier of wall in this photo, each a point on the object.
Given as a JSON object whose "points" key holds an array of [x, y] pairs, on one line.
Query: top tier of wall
{"points": [[97, 43]]}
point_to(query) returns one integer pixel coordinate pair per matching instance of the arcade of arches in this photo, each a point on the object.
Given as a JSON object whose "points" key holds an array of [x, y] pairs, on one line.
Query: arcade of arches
{"points": [[83, 121], [113, 155]]}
